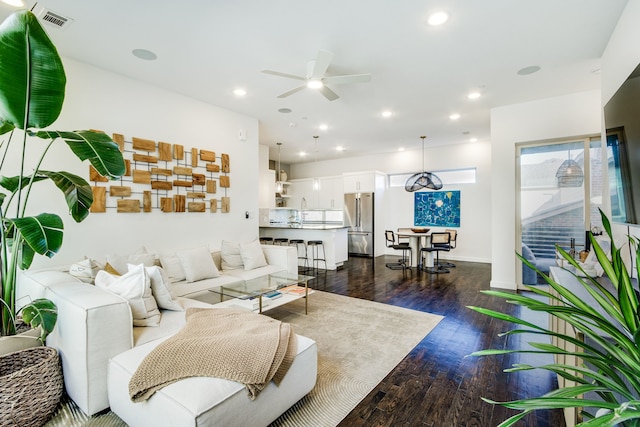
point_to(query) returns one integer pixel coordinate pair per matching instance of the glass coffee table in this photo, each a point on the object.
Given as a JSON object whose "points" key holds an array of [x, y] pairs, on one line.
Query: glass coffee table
{"points": [[262, 293]]}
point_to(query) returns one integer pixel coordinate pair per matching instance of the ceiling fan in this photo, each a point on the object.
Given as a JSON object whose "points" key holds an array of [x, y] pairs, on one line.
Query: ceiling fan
{"points": [[316, 78]]}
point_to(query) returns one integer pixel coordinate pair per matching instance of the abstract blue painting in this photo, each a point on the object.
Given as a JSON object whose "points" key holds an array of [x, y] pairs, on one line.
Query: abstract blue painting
{"points": [[437, 208]]}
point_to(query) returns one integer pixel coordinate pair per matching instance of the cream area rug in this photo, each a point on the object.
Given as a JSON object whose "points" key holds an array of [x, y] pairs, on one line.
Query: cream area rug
{"points": [[359, 343]]}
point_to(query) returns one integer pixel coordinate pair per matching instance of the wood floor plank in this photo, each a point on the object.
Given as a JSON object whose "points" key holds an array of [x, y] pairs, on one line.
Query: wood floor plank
{"points": [[436, 385]]}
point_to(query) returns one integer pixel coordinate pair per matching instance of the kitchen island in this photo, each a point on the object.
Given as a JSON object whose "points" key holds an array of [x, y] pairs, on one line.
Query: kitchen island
{"points": [[334, 238]]}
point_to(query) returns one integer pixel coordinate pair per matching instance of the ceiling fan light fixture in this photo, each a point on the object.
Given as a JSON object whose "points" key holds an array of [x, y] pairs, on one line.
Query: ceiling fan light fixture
{"points": [[314, 84]]}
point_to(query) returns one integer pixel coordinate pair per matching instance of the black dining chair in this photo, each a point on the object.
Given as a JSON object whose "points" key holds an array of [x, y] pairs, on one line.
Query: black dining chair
{"points": [[404, 262], [452, 245], [440, 241]]}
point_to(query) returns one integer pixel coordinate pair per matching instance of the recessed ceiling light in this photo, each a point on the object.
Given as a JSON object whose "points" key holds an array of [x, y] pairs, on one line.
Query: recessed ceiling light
{"points": [[528, 70], [339, 148], [387, 113], [474, 95], [284, 110], [454, 116], [473, 140], [240, 92], [16, 3], [314, 84], [323, 126], [400, 148], [302, 154], [437, 18], [145, 54]]}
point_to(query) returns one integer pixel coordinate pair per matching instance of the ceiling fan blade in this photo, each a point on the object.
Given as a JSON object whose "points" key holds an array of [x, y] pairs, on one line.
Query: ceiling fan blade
{"points": [[278, 73], [353, 78], [320, 64], [292, 91], [328, 93]]}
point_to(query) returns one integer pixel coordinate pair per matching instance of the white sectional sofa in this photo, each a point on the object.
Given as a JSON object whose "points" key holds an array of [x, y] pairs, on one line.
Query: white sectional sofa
{"points": [[100, 350]]}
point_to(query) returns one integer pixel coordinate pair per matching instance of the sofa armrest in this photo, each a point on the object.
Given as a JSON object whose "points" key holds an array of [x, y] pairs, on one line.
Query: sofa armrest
{"points": [[93, 326], [282, 256]]}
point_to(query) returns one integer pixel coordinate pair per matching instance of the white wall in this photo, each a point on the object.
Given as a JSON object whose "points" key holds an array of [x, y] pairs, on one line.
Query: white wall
{"points": [[475, 222], [620, 58], [102, 100], [565, 116]]}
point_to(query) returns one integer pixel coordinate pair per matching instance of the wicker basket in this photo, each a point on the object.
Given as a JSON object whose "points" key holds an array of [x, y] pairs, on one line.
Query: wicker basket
{"points": [[30, 386]]}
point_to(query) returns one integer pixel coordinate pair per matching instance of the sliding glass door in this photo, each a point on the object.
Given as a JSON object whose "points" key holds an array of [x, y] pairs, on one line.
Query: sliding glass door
{"points": [[559, 192]]}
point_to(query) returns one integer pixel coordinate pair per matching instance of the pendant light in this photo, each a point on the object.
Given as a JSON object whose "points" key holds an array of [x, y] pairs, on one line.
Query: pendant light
{"points": [[423, 179], [569, 174], [316, 180], [279, 185]]}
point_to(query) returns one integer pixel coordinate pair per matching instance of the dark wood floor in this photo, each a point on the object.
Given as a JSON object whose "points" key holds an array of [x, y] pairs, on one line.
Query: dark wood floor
{"points": [[436, 385]]}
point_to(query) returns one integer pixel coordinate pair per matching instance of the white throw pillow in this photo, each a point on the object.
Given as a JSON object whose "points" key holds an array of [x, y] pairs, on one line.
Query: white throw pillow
{"points": [[85, 270], [173, 267], [252, 255], [119, 262], [198, 264], [135, 287], [230, 256], [161, 288]]}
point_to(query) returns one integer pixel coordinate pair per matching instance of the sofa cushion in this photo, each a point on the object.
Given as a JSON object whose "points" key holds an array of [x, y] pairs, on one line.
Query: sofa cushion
{"points": [[161, 288], [198, 264], [231, 256], [135, 287], [252, 255], [85, 270], [173, 267], [119, 262]]}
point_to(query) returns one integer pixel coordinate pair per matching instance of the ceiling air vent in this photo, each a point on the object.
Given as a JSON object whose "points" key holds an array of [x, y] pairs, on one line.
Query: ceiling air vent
{"points": [[54, 19]]}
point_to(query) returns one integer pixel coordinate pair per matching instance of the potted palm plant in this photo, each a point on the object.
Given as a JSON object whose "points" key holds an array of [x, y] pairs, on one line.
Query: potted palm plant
{"points": [[610, 348], [32, 90]]}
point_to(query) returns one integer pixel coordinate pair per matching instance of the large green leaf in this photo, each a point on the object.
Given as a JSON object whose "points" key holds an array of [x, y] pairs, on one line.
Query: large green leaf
{"points": [[77, 192], [98, 148], [43, 233], [31, 73], [12, 183], [41, 312]]}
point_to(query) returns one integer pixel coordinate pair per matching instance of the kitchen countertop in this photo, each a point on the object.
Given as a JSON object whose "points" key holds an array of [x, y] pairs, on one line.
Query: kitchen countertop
{"points": [[305, 226]]}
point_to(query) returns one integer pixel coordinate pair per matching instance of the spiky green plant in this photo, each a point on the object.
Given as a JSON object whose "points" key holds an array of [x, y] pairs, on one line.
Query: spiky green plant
{"points": [[32, 89], [613, 370]]}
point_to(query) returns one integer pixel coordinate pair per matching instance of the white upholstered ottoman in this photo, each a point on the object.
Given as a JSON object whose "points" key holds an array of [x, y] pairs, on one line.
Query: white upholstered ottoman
{"points": [[205, 401]]}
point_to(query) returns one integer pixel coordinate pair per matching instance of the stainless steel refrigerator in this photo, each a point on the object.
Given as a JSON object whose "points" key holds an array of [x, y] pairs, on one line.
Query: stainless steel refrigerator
{"points": [[358, 216]]}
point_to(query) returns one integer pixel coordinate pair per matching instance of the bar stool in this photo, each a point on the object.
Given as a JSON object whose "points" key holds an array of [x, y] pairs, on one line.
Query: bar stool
{"points": [[315, 246], [299, 243], [281, 241], [266, 240]]}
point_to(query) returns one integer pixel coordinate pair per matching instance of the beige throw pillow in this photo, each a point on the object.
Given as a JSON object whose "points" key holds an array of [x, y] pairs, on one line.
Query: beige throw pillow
{"points": [[161, 288], [198, 264], [135, 287], [230, 256], [252, 255]]}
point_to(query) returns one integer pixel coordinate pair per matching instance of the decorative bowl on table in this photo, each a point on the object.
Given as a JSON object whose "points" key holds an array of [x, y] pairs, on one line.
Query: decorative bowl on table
{"points": [[420, 230]]}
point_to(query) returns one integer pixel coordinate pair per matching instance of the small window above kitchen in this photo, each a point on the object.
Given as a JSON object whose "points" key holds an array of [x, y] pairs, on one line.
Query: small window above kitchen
{"points": [[448, 177]]}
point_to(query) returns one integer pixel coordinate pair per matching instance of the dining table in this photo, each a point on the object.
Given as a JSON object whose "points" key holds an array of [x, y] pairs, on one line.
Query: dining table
{"points": [[417, 241]]}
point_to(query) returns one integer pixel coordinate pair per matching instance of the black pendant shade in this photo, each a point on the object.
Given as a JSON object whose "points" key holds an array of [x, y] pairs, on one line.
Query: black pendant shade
{"points": [[423, 179]]}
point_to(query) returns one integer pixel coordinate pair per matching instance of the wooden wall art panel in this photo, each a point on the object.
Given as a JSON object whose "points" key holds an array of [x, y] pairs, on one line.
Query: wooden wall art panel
{"points": [[99, 204], [165, 177]]}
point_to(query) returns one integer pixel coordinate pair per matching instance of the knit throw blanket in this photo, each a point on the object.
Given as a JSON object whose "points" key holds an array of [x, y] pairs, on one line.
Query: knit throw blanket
{"points": [[225, 343]]}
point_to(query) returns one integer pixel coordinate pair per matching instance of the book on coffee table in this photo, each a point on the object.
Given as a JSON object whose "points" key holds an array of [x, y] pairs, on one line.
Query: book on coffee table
{"points": [[295, 290]]}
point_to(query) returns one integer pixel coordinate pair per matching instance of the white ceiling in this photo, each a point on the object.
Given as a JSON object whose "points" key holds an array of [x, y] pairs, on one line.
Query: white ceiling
{"points": [[207, 48]]}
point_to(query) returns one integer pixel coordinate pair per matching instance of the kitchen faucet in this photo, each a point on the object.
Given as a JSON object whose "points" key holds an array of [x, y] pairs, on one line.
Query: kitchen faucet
{"points": [[303, 203]]}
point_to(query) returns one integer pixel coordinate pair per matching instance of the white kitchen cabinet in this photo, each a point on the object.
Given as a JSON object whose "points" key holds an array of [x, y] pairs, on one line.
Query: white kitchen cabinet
{"points": [[331, 193], [303, 196], [360, 183], [267, 189]]}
